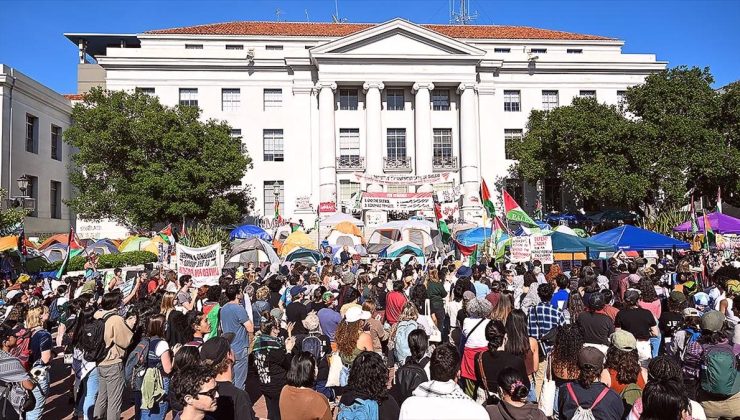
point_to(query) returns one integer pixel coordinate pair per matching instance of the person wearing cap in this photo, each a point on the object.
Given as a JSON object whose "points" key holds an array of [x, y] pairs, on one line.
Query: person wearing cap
{"points": [[232, 402], [670, 321], [350, 336], [296, 311], [588, 391], [638, 321], [595, 324], [622, 367], [11, 369], [701, 301], [716, 370], [236, 320]]}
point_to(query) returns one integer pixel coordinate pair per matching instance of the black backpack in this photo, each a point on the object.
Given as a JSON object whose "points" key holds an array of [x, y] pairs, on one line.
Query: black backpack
{"points": [[92, 340]]}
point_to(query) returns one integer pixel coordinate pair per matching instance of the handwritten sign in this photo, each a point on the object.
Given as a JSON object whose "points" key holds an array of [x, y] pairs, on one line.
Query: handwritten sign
{"points": [[520, 249], [303, 202], [203, 264], [541, 249]]}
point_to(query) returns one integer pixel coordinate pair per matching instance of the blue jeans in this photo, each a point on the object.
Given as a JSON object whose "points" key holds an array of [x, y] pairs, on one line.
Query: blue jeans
{"points": [[157, 412], [655, 345], [39, 392], [532, 391], [88, 393], [240, 370]]}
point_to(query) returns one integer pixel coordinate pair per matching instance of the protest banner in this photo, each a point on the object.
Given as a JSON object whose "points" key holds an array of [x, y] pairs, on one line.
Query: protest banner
{"points": [[397, 201], [203, 264], [403, 179], [541, 249], [520, 249], [327, 207], [449, 195]]}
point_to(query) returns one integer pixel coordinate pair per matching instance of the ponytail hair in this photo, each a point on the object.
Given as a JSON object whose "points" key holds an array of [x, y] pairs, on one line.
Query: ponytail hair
{"points": [[513, 384]]}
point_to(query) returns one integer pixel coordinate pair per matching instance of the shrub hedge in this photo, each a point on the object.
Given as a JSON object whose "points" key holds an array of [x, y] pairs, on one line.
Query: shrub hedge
{"points": [[106, 261]]}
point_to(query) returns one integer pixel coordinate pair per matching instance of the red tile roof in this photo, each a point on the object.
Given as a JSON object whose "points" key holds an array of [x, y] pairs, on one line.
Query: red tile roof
{"points": [[74, 96], [344, 29]]}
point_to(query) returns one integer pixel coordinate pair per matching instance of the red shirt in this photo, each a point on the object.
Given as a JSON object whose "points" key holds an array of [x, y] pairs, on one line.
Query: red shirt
{"points": [[151, 287], [394, 305]]}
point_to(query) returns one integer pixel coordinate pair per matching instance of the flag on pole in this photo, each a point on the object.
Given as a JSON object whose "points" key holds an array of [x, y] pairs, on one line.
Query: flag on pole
{"points": [[485, 197], [277, 211], [182, 233], [464, 250], [167, 235], [694, 223], [441, 224], [538, 210], [74, 248], [719, 199], [709, 238], [498, 229], [514, 212], [473, 260]]}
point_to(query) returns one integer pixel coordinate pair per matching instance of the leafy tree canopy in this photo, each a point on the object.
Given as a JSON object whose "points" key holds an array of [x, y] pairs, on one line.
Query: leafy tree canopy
{"points": [[675, 133], [11, 217], [140, 162]]}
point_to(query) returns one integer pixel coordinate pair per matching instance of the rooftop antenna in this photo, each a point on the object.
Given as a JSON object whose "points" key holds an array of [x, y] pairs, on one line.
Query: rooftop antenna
{"points": [[307, 18], [335, 17], [463, 17], [278, 12]]}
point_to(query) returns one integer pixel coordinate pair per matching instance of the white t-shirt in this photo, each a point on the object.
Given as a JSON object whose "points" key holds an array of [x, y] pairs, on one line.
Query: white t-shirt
{"points": [[478, 338], [162, 347]]}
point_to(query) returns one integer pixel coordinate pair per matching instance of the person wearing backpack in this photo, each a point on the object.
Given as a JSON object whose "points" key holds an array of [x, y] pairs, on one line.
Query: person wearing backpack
{"points": [[86, 372], [15, 383], [151, 400], [719, 381], [588, 398], [320, 348], [416, 369], [40, 357], [298, 392], [113, 335], [407, 322], [366, 395]]}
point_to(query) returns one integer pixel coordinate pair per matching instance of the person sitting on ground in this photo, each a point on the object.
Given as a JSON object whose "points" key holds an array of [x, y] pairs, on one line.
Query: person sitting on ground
{"points": [[195, 389], [298, 400], [441, 398], [513, 405], [232, 402], [588, 392]]}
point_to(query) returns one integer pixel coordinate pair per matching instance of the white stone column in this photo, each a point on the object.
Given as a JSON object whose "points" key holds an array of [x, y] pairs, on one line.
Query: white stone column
{"points": [[327, 143], [374, 132], [423, 130], [470, 158]]}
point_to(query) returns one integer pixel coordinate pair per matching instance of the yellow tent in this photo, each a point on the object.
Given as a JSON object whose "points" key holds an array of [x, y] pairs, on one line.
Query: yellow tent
{"points": [[297, 239], [348, 227], [153, 245]]}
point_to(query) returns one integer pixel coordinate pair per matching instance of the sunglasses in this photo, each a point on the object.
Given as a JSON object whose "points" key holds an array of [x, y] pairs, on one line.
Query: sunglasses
{"points": [[210, 393]]}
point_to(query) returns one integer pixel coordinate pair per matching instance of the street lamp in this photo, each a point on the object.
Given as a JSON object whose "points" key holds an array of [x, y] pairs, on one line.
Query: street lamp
{"points": [[540, 188], [276, 196], [22, 184]]}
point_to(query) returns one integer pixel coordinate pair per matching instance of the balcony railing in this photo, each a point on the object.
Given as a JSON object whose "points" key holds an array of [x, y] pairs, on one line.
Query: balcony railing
{"points": [[397, 164], [445, 163], [350, 163]]}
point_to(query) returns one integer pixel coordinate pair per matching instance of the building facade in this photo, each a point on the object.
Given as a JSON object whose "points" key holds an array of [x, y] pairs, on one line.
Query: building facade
{"points": [[326, 109], [33, 119]]}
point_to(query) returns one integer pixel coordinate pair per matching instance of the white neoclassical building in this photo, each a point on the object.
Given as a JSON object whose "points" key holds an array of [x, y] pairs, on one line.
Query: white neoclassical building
{"points": [[329, 109]]}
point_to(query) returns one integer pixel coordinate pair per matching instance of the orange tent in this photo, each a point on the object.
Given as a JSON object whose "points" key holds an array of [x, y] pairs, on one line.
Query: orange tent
{"points": [[8, 243], [59, 238], [349, 228]]}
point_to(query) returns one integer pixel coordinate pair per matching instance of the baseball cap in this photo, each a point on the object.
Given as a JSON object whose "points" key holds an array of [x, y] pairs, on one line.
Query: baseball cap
{"points": [[733, 287], [623, 340], [701, 298], [277, 313], [213, 351], [355, 313], [296, 290], [464, 271], [691, 312], [677, 297], [591, 356], [712, 321]]}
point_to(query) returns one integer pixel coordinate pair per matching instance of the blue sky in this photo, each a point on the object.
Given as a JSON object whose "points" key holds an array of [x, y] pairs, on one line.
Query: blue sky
{"points": [[694, 33]]}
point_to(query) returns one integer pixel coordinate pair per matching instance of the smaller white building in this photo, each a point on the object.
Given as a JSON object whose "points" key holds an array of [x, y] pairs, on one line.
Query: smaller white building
{"points": [[33, 119]]}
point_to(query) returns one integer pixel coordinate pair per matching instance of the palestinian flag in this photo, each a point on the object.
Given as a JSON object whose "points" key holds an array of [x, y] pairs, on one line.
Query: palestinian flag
{"points": [[709, 237], [441, 224], [514, 212], [498, 229], [74, 248], [485, 198], [167, 235], [277, 211], [473, 259], [465, 250], [183, 233]]}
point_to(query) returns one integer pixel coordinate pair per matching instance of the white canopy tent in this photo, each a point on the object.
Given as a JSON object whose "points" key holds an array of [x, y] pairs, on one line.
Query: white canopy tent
{"points": [[338, 218]]}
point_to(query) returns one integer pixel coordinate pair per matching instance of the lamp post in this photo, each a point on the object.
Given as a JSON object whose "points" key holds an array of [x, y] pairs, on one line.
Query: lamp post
{"points": [[22, 183], [276, 196], [540, 188]]}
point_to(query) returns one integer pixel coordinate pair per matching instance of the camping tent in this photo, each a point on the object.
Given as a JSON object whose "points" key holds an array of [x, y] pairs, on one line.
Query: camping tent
{"points": [[349, 228], [304, 256], [101, 247], [338, 238], [55, 252], [297, 239], [401, 248], [631, 238], [153, 245], [338, 218], [133, 243], [59, 238], [421, 232], [249, 231], [251, 250], [474, 236], [9, 243], [721, 223], [381, 238]]}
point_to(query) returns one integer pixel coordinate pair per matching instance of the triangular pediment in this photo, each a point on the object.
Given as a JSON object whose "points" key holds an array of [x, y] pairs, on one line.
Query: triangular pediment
{"points": [[394, 38]]}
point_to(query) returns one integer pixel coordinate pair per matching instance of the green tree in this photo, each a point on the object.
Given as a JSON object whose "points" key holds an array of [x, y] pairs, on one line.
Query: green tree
{"points": [[9, 217], [140, 162]]}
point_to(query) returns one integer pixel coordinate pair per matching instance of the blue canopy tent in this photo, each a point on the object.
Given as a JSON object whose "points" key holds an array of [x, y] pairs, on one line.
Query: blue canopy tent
{"points": [[631, 238], [475, 236], [564, 243], [575, 218], [249, 231], [521, 230]]}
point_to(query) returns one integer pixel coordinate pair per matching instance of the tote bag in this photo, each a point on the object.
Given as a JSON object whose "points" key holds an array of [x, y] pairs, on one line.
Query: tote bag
{"points": [[546, 401]]}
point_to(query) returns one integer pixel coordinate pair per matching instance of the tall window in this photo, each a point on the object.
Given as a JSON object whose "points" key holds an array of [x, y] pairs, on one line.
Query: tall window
{"points": [[442, 149], [396, 143], [512, 100], [269, 197], [189, 96], [273, 145], [395, 100], [349, 146], [33, 192], [347, 189], [55, 199], [587, 94], [32, 134], [272, 98], [510, 136], [56, 142], [549, 99], [234, 46], [441, 100], [514, 187], [348, 99], [230, 99]]}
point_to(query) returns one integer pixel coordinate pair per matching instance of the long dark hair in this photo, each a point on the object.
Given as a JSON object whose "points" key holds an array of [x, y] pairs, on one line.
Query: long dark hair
{"points": [[625, 363], [517, 337], [495, 333], [663, 400], [647, 290], [84, 317], [568, 343], [369, 375]]}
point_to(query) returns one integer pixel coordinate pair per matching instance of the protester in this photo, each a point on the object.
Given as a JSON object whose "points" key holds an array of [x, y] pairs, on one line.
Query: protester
{"points": [[595, 325], [415, 369], [298, 392], [232, 402], [488, 364], [640, 322], [513, 404], [272, 358], [195, 389], [623, 373], [519, 344], [543, 319], [151, 401], [473, 340], [588, 392], [12, 372], [236, 320], [40, 357]]}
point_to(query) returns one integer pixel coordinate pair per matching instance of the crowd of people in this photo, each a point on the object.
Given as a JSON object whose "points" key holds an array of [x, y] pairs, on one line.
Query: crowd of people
{"points": [[617, 339]]}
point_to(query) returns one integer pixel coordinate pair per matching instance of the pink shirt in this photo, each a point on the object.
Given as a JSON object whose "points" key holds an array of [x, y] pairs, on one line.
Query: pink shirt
{"points": [[653, 307]]}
